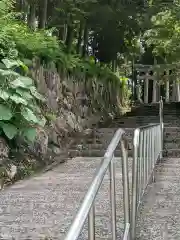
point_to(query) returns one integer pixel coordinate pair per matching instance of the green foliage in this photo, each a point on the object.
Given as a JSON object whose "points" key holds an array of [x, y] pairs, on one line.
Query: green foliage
{"points": [[18, 100], [28, 44], [18, 41], [164, 33]]}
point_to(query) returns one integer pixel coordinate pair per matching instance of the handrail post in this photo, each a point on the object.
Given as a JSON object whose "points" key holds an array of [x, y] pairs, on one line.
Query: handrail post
{"points": [[134, 183], [91, 224], [87, 208], [113, 198], [161, 123], [125, 180]]}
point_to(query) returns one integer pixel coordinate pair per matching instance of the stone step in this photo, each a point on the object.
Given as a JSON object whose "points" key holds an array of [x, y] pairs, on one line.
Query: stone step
{"points": [[144, 112], [100, 153], [137, 125], [98, 150], [172, 179], [145, 121], [170, 124], [171, 153], [93, 146], [113, 130], [171, 129], [171, 135], [98, 144], [158, 186], [171, 145], [90, 146], [172, 161], [93, 153], [167, 171], [166, 114], [168, 164], [144, 117]]}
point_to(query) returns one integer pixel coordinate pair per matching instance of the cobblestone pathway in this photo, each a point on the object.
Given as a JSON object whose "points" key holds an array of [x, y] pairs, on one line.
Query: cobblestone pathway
{"points": [[45, 205]]}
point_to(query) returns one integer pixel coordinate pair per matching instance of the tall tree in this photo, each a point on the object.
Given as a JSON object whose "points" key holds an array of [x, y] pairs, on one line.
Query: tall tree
{"points": [[42, 13], [32, 14]]}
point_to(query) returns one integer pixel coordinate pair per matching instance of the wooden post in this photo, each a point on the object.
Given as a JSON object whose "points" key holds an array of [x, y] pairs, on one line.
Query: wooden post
{"points": [[146, 88], [178, 92], [167, 87], [174, 89], [154, 88]]}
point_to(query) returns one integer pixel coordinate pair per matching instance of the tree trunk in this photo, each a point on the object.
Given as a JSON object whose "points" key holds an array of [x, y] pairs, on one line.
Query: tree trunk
{"points": [[42, 13], [69, 38], [32, 16], [19, 5], [62, 33], [78, 48], [113, 65], [85, 46]]}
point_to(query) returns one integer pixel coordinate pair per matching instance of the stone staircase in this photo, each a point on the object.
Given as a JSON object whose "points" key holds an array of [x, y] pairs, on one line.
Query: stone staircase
{"points": [[157, 216], [45, 205], [96, 144]]}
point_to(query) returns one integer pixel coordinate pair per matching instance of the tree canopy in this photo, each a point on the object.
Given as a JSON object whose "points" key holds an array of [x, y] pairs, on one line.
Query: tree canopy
{"points": [[100, 28], [95, 37]]}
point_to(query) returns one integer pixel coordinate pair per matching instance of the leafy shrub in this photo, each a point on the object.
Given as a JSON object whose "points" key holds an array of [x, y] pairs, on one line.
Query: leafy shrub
{"points": [[19, 111], [17, 41]]}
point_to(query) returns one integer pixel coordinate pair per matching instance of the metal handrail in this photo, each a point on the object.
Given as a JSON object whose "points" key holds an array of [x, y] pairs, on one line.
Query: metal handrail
{"points": [[148, 147], [87, 209]]}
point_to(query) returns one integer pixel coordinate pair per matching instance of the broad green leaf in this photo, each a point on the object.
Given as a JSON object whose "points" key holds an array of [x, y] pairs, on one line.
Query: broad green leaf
{"points": [[29, 134], [9, 129], [17, 99], [14, 63], [29, 115], [34, 107], [10, 63], [5, 112], [17, 83], [8, 73], [4, 95], [2, 66], [26, 80], [36, 94], [24, 93]]}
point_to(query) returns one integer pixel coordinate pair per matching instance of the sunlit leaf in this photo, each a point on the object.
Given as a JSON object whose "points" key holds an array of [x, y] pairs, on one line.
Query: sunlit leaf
{"points": [[5, 112], [9, 129]]}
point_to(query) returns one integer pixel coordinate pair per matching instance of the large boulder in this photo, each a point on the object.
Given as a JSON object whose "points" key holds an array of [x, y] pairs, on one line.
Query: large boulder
{"points": [[40, 144], [4, 150], [7, 169]]}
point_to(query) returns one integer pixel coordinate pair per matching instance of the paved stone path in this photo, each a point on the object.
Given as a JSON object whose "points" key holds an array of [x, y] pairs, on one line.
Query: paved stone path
{"points": [[159, 217], [45, 205]]}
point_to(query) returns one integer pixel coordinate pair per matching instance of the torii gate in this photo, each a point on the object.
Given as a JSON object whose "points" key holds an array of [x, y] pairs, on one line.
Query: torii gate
{"points": [[161, 80]]}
